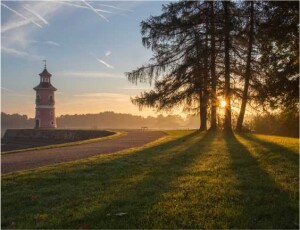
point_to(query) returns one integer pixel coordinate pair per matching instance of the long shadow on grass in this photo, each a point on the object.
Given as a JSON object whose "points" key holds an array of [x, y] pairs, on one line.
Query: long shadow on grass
{"points": [[262, 204], [88, 192], [138, 200], [276, 149]]}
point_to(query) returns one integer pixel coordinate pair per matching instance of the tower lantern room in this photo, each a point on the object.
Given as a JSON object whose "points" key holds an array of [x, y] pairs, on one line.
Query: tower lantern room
{"points": [[45, 103]]}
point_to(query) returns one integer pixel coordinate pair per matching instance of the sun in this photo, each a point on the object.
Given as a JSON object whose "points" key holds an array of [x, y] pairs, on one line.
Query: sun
{"points": [[223, 103]]}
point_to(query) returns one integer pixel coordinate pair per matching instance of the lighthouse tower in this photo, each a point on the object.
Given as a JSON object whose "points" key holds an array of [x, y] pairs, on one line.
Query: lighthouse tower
{"points": [[44, 110]]}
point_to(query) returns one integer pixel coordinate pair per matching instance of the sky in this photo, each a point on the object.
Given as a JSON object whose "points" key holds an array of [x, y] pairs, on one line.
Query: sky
{"points": [[88, 45]]}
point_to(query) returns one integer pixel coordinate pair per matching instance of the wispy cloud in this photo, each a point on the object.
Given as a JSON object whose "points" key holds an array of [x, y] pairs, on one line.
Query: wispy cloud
{"points": [[114, 7], [78, 5], [44, 8], [110, 98], [14, 25], [71, 3], [93, 9], [7, 90], [22, 54], [14, 93], [27, 20], [14, 11], [86, 7], [37, 15], [93, 55], [107, 53], [106, 64], [112, 95], [135, 88], [17, 34], [29, 41], [87, 74], [51, 43]]}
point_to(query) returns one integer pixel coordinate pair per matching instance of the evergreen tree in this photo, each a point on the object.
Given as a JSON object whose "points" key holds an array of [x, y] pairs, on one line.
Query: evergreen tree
{"points": [[214, 103], [203, 49], [227, 47], [279, 41], [179, 67], [248, 68]]}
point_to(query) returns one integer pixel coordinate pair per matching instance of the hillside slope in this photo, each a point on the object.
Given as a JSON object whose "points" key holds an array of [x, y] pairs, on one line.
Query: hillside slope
{"points": [[187, 180]]}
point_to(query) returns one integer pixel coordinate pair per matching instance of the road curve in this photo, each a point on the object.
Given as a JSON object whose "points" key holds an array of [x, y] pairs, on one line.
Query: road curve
{"points": [[33, 159]]}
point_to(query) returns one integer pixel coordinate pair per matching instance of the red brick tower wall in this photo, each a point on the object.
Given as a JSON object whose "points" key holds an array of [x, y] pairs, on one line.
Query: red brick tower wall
{"points": [[45, 102]]}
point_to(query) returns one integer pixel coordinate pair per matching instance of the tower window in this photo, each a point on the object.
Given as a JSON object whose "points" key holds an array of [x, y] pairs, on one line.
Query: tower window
{"points": [[37, 100], [37, 123], [51, 100]]}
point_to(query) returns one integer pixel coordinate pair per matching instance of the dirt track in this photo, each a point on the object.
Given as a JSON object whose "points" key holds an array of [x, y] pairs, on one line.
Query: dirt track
{"points": [[34, 159]]}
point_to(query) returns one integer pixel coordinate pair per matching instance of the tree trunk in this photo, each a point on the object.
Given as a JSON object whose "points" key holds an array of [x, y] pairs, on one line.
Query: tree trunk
{"points": [[213, 121], [227, 91], [201, 82], [205, 79], [203, 112], [240, 120]]}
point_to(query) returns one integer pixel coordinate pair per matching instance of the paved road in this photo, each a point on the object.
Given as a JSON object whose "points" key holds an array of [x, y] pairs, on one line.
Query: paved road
{"points": [[34, 159]]}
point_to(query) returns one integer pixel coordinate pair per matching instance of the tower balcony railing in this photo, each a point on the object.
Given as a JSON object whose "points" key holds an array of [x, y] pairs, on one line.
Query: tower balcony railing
{"points": [[50, 102]]}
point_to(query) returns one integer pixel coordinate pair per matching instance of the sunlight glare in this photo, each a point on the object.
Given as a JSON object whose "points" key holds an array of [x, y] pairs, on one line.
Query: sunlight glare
{"points": [[223, 103]]}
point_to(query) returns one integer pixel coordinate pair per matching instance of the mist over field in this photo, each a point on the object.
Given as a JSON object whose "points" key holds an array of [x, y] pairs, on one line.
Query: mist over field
{"points": [[106, 120], [284, 124]]}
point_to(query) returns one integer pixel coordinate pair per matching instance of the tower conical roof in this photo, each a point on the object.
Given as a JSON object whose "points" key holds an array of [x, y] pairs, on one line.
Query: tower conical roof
{"points": [[45, 73], [45, 85]]}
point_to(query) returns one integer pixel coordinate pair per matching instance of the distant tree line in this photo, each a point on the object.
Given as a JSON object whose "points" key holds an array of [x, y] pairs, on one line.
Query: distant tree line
{"points": [[111, 120], [284, 123], [15, 121], [206, 51], [104, 120]]}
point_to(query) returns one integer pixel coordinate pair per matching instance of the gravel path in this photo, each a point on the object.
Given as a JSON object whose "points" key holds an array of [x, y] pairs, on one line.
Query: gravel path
{"points": [[33, 159]]}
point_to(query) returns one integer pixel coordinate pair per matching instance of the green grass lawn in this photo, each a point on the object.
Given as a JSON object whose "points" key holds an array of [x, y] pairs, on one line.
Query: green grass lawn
{"points": [[186, 180]]}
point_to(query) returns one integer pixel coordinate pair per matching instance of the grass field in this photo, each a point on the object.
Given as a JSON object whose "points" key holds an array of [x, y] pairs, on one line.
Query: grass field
{"points": [[186, 180]]}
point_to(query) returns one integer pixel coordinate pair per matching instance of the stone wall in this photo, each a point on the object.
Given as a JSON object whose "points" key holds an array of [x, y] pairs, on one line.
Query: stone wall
{"points": [[54, 134]]}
